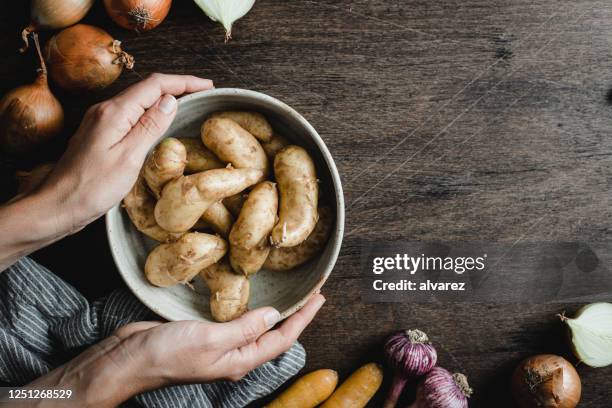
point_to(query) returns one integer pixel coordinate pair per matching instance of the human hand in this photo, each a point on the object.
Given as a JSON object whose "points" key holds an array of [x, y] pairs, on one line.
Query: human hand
{"points": [[148, 355], [104, 156], [99, 167]]}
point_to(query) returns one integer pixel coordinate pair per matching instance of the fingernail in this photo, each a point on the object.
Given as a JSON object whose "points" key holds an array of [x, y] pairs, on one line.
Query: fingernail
{"points": [[271, 317], [167, 104]]}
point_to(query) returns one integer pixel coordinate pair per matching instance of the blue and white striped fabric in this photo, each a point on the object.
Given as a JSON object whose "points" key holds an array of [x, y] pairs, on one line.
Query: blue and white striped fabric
{"points": [[44, 321]]}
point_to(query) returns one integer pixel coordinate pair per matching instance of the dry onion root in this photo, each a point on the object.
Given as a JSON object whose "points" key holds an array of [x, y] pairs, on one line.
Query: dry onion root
{"points": [[53, 15], [30, 115], [139, 15], [84, 58]]}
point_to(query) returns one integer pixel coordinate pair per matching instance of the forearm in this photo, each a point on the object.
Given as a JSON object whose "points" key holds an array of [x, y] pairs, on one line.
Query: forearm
{"points": [[30, 223]]}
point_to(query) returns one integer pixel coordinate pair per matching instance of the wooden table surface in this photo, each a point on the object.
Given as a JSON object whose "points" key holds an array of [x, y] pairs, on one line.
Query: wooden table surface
{"points": [[451, 120]]}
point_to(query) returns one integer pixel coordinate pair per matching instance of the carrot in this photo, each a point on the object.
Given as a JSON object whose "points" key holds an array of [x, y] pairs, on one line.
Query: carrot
{"points": [[358, 389], [308, 391]]}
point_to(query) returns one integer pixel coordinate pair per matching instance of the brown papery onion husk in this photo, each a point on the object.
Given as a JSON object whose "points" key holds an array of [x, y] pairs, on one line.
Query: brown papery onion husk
{"points": [[28, 181], [85, 58], [30, 115], [53, 15], [139, 15], [546, 380]]}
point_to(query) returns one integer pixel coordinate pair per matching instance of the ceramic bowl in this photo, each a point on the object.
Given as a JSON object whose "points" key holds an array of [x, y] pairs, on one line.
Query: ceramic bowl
{"points": [[286, 291]]}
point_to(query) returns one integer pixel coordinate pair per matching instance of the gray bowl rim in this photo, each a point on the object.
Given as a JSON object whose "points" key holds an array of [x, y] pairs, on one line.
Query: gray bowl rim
{"points": [[329, 161]]}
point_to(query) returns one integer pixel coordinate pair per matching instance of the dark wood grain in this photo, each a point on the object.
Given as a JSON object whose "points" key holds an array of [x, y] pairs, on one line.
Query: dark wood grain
{"points": [[451, 120]]}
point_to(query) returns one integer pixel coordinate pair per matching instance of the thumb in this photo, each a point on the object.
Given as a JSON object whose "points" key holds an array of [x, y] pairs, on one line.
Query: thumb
{"points": [[152, 124], [247, 328]]}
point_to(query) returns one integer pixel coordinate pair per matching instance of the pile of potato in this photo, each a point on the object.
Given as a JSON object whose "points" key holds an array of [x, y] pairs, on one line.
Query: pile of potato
{"points": [[260, 217]]}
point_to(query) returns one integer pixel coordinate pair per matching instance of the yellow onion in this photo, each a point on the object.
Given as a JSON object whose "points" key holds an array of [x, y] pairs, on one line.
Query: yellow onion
{"points": [[30, 115], [139, 15], [85, 58], [28, 181], [546, 380], [54, 14]]}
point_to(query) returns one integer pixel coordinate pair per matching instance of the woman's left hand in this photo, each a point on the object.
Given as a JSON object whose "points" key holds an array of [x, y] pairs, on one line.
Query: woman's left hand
{"points": [[99, 167], [106, 153]]}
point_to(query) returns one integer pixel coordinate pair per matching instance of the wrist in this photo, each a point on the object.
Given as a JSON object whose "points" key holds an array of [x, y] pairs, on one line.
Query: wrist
{"points": [[105, 375], [28, 223]]}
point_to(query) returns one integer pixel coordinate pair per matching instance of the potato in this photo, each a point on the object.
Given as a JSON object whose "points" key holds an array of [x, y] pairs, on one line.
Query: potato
{"points": [[257, 216], [140, 206], [182, 260], [253, 122], [229, 292], [234, 203], [167, 162], [248, 238], [299, 195], [219, 219], [284, 259], [248, 261], [234, 145], [274, 145], [184, 200], [199, 158]]}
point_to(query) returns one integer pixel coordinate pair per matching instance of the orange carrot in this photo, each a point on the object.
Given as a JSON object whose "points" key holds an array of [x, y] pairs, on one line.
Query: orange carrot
{"points": [[358, 389], [308, 391]]}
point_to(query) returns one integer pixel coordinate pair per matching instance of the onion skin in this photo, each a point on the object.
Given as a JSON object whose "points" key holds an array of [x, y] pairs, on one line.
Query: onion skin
{"points": [[441, 389], [28, 181], [30, 115], [138, 15], [410, 355], [53, 15], [85, 58], [546, 380]]}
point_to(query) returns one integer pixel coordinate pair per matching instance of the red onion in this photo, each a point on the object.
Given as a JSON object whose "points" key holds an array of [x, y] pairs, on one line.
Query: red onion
{"points": [[441, 389], [411, 355]]}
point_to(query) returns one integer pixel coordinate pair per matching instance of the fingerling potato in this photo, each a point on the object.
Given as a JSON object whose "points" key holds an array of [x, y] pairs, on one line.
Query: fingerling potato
{"points": [[249, 245], [229, 292], [234, 203], [140, 207], [167, 162], [232, 144], [299, 195], [218, 218], [274, 145], [199, 158], [253, 122], [248, 261], [180, 261], [284, 259], [257, 216], [184, 199]]}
